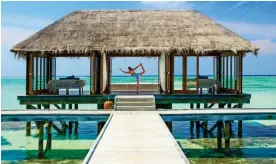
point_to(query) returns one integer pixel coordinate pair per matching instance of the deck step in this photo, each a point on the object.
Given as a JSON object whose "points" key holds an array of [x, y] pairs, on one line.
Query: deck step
{"points": [[135, 108], [135, 103]]}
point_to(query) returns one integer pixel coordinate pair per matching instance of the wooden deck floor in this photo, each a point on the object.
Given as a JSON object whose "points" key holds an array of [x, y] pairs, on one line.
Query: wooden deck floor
{"points": [[136, 137]]}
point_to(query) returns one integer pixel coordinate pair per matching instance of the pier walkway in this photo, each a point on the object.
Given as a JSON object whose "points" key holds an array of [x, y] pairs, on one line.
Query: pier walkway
{"points": [[135, 137]]}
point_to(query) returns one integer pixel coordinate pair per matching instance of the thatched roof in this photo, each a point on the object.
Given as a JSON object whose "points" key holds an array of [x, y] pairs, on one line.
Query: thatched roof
{"points": [[133, 32]]}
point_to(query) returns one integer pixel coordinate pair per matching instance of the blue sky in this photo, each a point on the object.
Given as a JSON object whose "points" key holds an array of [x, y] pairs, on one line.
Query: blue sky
{"points": [[254, 21]]}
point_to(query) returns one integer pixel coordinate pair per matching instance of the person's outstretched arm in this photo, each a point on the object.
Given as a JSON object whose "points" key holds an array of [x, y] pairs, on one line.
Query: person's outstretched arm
{"points": [[124, 71], [142, 69]]}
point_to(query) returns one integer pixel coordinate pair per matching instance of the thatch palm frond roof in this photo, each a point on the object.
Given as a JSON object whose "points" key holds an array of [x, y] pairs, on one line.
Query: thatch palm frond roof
{"points": [[134, 32]]}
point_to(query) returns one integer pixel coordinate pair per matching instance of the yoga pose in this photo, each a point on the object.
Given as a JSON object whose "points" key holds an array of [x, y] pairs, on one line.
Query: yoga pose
{"points": [[132, 72]]}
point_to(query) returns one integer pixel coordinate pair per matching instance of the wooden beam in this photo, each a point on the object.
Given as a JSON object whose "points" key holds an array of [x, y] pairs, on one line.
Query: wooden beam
{"points": [[40, 74], [231, 71], [56, 128], [240, 71], [197, 73], [168, 71], [36, 73], [184, 74], [109, 68], [92, 73], [101, 74], [227, 72], [30, 73], [172, 73]]}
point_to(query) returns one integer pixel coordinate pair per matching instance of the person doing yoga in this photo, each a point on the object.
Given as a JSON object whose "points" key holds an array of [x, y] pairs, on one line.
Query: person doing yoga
{"points": [[132, 72]]}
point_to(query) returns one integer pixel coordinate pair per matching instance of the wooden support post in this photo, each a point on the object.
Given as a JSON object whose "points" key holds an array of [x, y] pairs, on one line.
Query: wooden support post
{"points": [[70, 122], [40, 73], [100, 126], [36, 73], [231, 73], [205, 124], [240, 128], [28, 124], [227, 86], [197, 123], [219, 134], [219, 130], [197, 73], [168, 73], [240, 72], [171, 73], [101, 74], [76, 122], [213, 127], [92, 74], [192, 123], [56, 128], [49, 136], [227, 131], [40, 141], [63, 129], [169, 125], [184, 74], [239, 124]]}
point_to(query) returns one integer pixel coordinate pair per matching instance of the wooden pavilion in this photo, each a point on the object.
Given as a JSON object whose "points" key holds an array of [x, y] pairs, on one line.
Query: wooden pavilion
{"points": [[168, 35]]}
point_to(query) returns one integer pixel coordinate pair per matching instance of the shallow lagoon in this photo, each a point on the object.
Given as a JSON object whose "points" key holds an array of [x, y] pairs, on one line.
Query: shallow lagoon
{"points": [[258, 144]]}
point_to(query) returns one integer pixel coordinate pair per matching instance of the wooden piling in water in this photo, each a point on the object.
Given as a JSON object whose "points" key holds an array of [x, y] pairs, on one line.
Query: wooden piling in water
{"points": [[49, 136], [219, 134], [70, 122], [192, 123], [227, 135], [40, 140], [76, 122], [28, 124], [219, 130], [197, 123], [63, 129], [205, 124], [239, 124]]}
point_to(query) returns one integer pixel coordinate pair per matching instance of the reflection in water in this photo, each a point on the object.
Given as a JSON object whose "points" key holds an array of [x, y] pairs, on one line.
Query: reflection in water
{"points": [[258, 144]]}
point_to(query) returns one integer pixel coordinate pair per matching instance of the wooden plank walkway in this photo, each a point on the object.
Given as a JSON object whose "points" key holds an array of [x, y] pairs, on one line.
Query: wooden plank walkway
{"points": [[136, 137]]}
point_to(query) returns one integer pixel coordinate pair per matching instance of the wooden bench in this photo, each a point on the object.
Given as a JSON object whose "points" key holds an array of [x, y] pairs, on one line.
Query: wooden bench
{"points": [[55, 85]]}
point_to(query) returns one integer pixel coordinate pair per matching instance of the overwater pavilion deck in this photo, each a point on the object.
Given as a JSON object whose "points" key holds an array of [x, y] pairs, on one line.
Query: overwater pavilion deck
{"points": [[159, 98]]}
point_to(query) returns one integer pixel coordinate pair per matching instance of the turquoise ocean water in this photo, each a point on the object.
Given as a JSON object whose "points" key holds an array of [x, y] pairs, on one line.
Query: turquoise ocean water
{"points": [[258, 144]]}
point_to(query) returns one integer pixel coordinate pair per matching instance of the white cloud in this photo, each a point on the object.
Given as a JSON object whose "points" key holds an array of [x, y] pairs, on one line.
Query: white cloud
{"points": [[14, 35], [25, 21], [266, 46], [257, 31], [238, 4], [166, 5]]}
